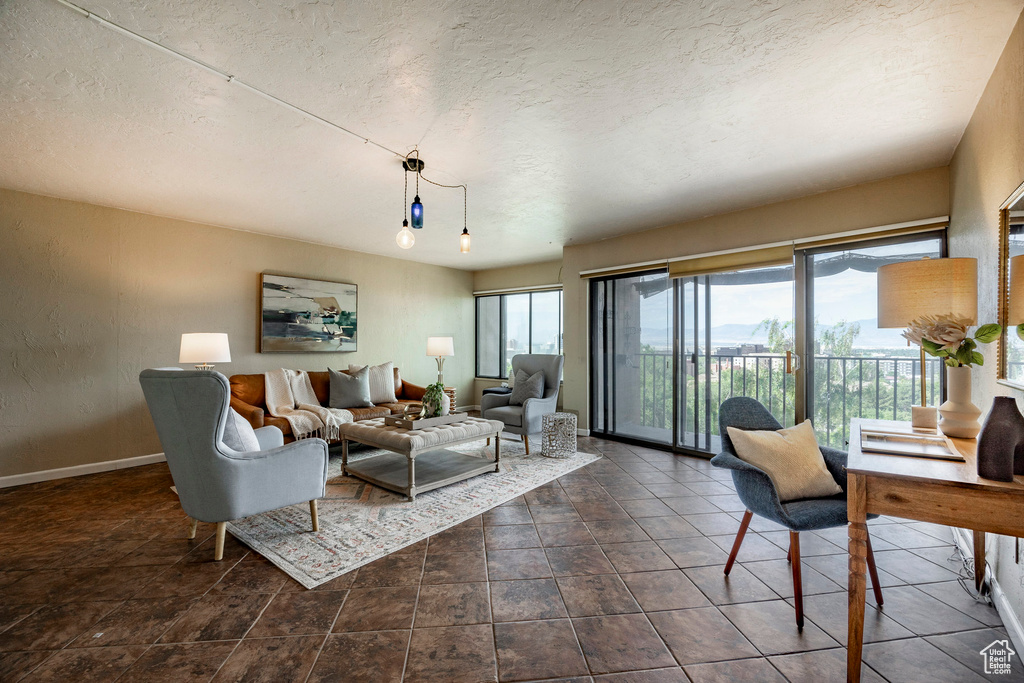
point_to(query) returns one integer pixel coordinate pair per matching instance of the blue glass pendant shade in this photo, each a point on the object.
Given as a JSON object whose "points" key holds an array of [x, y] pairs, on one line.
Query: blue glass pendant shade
{"points": [[416, 212]]}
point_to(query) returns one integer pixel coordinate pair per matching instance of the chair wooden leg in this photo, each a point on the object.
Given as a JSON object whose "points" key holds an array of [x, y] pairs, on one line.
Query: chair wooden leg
{"points": [[874, 573], [526, 441], [192, 524], [789, 555], [798, 586], [739, 540], [312, 513], [488, 442], [218, 552]]}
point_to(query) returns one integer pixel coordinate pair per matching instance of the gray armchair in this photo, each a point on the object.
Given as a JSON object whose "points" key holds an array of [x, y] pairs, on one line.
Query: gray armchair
{"points": [[756, 490], [525, 419], [214, 482]]}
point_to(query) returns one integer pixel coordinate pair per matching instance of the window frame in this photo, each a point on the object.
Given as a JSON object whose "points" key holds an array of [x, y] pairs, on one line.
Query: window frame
{"points": [[503, 325]]}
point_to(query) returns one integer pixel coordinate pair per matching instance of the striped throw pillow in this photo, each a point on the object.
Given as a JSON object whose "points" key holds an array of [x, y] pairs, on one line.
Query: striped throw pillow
{"points": [[382, 382]]}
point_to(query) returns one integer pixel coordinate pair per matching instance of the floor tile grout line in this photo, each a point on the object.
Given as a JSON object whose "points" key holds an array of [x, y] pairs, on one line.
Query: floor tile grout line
{"points": [[330, 630]]}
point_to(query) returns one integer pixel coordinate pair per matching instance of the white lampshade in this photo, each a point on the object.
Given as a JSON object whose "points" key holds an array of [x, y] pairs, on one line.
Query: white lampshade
{"points": [[204, 347], [941, 286], [440, 346]]}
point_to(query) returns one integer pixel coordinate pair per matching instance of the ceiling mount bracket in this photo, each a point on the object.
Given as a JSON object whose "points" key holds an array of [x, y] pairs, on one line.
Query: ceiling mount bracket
{"points": [[413, 165]]}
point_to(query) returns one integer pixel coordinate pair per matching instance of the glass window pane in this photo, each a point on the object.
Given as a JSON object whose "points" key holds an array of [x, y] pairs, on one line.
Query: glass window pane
{"points": [[517, 327], [544, 335], [859, 369], [488, 332], [1014, 345]]}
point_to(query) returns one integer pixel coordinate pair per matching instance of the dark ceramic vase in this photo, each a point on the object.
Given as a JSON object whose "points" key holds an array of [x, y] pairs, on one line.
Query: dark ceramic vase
{"points": [[1001, 442]]}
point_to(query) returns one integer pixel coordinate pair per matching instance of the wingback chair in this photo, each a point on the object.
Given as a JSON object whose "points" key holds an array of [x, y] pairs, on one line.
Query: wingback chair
{"points": [[215, 483], [758, 493], [526, 419]]}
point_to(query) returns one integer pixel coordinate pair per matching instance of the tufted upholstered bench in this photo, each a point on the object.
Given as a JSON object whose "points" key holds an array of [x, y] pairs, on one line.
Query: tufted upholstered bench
{"points": [[418, 460]]}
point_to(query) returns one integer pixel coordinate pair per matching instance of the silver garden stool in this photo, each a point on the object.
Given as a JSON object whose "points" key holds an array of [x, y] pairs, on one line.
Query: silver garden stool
{"points": [[559, 435]]}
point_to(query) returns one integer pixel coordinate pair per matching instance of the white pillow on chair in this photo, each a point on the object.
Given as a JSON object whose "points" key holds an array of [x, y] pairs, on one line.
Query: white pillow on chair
{"points": [[239, 434], [790, 457], [382, 382]]}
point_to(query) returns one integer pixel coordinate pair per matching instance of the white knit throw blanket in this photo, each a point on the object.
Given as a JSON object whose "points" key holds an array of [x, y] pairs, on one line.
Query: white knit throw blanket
{"points": [[290, 395]]}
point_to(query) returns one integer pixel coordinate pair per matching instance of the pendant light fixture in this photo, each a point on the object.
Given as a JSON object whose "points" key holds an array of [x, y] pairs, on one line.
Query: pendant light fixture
{"points": [[416, 210], [405, 238]]}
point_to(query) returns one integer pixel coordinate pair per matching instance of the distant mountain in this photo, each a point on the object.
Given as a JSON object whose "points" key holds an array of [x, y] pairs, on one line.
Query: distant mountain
{"points": [[733, 334]]}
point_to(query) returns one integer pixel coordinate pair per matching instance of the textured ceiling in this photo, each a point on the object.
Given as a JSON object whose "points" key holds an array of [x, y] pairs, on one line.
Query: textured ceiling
{"points": [[569, 121]]}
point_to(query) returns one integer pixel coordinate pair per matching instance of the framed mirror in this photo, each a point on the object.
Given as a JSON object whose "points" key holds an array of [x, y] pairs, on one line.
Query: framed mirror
{"points": [[1011, 243]]}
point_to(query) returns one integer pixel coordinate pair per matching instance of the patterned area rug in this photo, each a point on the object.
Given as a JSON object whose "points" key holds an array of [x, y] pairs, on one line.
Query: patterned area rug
{"points": [[360, 523]]}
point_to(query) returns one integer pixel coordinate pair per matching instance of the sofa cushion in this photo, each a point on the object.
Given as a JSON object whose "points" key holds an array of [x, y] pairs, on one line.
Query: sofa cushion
{"points": [[527, 387], [239, 434], [368, 413], [510, 415], [350, 390], [398, 407], [382, 382]]}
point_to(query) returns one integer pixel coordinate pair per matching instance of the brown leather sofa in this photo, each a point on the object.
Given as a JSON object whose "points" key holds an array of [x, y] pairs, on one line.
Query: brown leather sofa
{"points": [[249, 399]]}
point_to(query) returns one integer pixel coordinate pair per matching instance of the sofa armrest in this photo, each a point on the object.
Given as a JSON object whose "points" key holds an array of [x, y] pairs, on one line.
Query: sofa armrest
{"points": [[252, 414], [412, 392]]}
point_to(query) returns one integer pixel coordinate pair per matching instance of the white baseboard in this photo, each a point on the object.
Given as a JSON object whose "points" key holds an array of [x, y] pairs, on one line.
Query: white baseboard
{"points": [[965, 541], [79, 470], [582, 432], [466, 409]]}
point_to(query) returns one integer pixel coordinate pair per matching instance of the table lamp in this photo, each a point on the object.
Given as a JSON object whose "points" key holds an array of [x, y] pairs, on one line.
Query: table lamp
{"points": [[204, 348], [911, 289], [440, 347]]}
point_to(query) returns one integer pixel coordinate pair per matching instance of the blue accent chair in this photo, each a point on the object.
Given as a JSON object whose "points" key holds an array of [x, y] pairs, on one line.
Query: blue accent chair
{"points": [[215, 483], [756, 490]]}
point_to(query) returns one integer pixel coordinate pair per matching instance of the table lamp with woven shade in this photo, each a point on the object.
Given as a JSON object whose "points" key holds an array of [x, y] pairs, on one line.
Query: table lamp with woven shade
{"points": [[912, 289]]}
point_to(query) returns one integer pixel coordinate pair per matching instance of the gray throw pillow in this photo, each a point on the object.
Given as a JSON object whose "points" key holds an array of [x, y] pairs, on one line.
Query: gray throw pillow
{"points": [[349, 391], [527, 386], [239, 434]]}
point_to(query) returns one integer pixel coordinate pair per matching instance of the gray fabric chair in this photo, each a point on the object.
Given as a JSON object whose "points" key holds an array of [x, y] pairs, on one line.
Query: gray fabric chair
{"points": [[758, 493], [525, 419], [214, 482]]}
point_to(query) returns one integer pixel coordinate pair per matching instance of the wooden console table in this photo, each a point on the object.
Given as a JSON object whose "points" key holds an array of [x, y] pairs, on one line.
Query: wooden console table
{"points": [[923, 489]]}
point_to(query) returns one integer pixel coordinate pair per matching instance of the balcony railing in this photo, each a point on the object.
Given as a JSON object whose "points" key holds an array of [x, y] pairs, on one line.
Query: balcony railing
{"points": [[843, 387]]}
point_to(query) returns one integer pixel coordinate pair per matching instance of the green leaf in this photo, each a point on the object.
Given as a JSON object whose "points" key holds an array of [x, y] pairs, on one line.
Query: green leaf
{"points": [[951, 362], [977, 358], [969, 343], [1020, 332], [963, 355], [988, 333], [933, 349]]}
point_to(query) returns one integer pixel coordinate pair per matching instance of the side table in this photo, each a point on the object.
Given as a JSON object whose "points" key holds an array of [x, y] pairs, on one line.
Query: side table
{"points": [[451, 397], [559, 435]]}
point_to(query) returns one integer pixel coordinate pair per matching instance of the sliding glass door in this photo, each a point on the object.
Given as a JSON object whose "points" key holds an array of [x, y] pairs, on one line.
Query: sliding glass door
{"points": [[801, 338], [632, 364], [858, 369], [736, 330]]}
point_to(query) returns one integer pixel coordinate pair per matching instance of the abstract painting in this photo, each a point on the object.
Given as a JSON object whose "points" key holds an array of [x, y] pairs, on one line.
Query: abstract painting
{"points": [[303, 316]]}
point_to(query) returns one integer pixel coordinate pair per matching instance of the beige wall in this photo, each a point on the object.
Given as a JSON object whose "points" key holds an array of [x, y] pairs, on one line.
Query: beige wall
{"points": [[903, 198], [515, 277], [987, 166], [94, 295]]}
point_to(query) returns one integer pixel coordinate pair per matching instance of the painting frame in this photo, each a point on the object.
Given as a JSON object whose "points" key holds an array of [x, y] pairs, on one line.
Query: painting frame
{"points": [[307, 315]]}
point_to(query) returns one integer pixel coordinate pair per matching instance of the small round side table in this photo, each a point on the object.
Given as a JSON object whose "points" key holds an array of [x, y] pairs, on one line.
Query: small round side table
{"points": [[559, 435]]}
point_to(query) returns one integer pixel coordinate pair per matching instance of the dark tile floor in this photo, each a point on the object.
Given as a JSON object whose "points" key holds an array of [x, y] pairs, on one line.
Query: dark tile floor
{"points": [[612, 573]]}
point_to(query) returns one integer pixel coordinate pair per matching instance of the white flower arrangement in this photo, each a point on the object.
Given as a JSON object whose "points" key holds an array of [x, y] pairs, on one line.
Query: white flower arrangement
{"points": [[945, 336]]}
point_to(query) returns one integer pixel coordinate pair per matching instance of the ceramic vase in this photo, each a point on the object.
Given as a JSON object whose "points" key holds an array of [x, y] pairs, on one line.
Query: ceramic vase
{"points": [[1001, 444], [446, 404], [959, 417]]}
